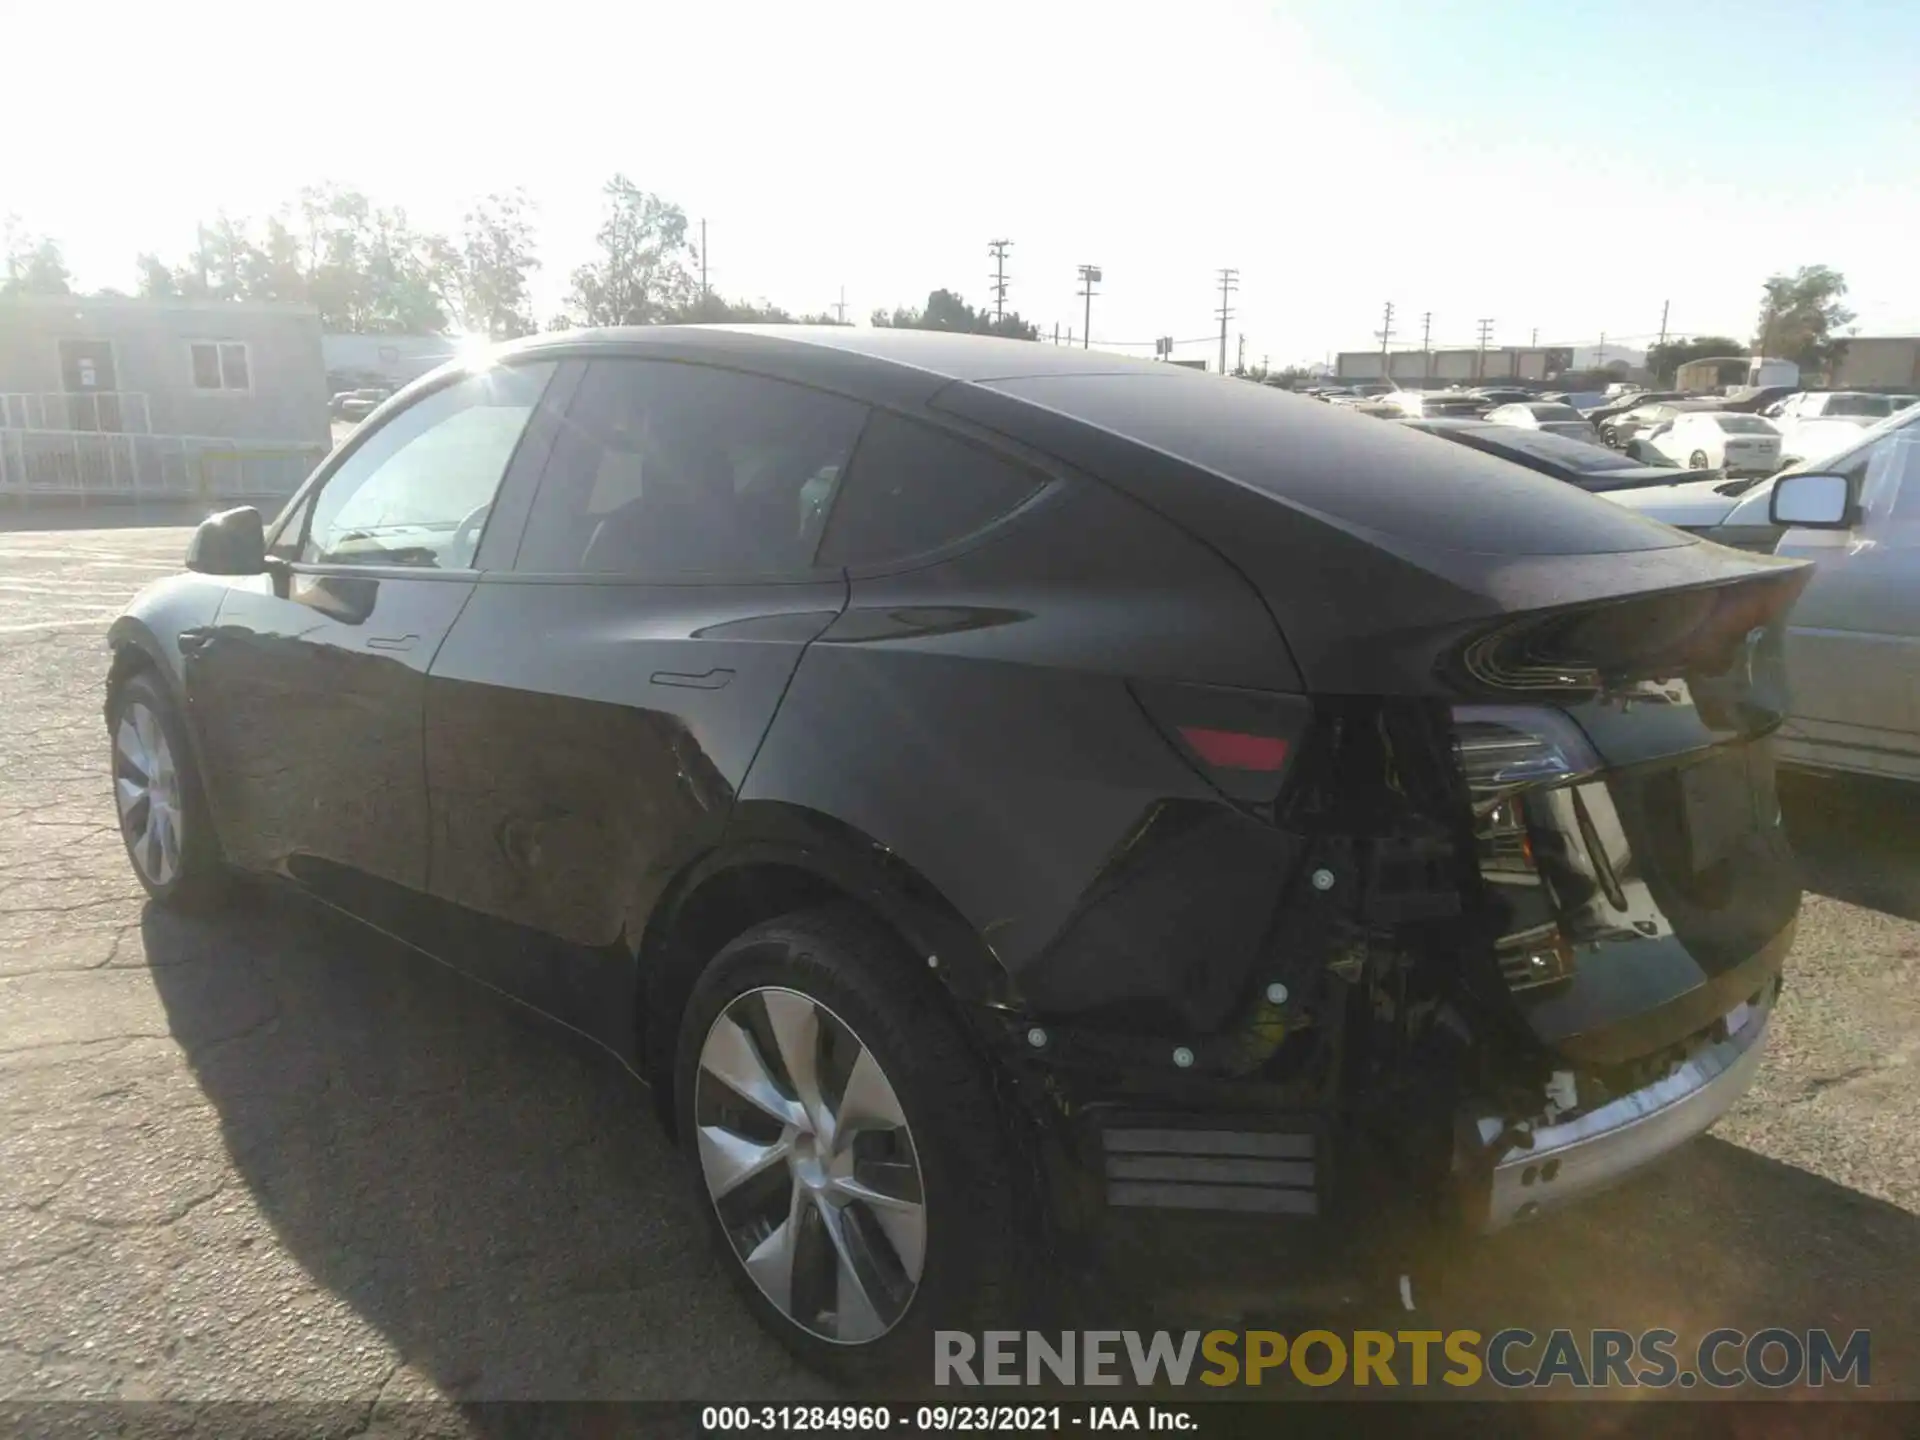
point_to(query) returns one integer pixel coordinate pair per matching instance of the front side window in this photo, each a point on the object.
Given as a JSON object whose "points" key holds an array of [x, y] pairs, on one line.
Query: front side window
{"points": [[220, 365], [670, 469], [417, 490]]}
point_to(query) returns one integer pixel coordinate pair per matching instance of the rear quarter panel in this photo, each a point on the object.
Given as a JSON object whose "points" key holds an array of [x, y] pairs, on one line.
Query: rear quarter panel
{"points": [[973, 718]]}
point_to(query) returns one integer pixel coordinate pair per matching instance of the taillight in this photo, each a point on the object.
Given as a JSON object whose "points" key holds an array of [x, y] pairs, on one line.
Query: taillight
{"points": [[1509, 757], [1506, 748]]}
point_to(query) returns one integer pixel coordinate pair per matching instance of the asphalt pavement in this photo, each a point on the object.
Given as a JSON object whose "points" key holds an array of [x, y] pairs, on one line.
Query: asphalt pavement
{"points": [[270, 1156]]}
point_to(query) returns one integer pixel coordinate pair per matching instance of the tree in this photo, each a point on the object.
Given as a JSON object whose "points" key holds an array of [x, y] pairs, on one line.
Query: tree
{"points": [[1664, 361], [156, 280], [641, 274], [1801, 315], [945, 310], [363, 267], [713, 309], [35, 264], [492, 266]]}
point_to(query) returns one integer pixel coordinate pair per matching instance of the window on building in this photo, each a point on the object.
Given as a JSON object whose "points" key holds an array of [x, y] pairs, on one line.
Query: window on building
{"points": [[220, 365], [673, 469]]}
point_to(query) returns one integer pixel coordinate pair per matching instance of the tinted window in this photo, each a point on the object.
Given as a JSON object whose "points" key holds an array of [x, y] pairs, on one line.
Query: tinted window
{"points": [[665, 468], [914, 489], [417, 490], [1743, 425], [1554, 412]]}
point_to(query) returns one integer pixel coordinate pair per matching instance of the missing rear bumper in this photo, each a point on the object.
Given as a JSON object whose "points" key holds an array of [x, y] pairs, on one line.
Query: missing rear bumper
{"points": [[1579, 1156]]}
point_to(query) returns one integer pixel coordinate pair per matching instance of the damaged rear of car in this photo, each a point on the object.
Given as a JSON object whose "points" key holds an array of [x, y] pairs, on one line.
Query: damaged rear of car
{"points": [[1530, 896]]}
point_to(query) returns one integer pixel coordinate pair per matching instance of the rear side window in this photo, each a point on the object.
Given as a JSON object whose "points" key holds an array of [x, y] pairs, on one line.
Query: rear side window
{"points": [[673, 469], [913, 488]]}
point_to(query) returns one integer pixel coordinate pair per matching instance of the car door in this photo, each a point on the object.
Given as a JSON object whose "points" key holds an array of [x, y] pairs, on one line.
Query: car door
{"points": [[1664, 438], [595, 709], [1853, 641], [307, 690]]}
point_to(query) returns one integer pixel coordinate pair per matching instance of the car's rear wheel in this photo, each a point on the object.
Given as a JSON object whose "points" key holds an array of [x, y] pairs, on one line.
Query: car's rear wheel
{"points": [[1697, 460], [157, 795], [846, 1146]]}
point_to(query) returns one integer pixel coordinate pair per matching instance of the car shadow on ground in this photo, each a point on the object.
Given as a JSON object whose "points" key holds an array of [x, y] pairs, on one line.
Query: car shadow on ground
{"points": [[490, 1192], [1858, 840]]}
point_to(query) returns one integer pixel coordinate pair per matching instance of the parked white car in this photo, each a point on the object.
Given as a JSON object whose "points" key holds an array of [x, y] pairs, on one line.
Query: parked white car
{"points": [[1544, 415], [1717, 440], [1817, 423]]}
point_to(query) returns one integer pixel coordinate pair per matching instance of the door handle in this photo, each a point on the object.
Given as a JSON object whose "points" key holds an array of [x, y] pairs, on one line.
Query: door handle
{"points": [[715, 679], [192, 642], [391, 642]]}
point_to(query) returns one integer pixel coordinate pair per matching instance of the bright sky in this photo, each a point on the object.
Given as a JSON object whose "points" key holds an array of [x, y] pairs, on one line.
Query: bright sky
{"points": [[1560, 166]]}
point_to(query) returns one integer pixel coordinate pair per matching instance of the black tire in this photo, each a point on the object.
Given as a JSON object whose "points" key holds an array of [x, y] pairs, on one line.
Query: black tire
{"points": [[841, 959], [1611, 436], [1697, 460], [198, 878]]}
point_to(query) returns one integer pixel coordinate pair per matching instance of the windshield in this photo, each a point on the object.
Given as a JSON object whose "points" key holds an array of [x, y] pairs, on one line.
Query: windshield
{"points": [[1554, 412], [1744, 425]]}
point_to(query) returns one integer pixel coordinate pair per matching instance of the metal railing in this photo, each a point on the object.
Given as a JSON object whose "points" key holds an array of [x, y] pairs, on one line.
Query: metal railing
{"points": [[107, 411], [92, 465]]}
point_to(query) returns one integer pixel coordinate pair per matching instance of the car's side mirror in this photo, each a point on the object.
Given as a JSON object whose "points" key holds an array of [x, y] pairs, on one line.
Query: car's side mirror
{"points": [[1811, 502], [234, 542]]}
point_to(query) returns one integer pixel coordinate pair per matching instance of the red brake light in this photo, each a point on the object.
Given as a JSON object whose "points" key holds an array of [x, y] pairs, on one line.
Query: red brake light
{"points": [[1236, 749]]}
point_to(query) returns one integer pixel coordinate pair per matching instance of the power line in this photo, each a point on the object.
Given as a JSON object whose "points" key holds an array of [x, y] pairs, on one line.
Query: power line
{"points": [[998, 249], [1229, 282], [1089, 276]]}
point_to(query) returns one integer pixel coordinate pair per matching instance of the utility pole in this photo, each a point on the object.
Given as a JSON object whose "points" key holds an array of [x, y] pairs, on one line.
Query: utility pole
{"points": [[1089, 277], [1229, 282], [1600, 355], [1480, 363], [703, 260], [1240, 360], [1664, 306], [1534, 343], [1385, 332], [998, 249], [840, 306], [1056, 332], [1426, 346]]}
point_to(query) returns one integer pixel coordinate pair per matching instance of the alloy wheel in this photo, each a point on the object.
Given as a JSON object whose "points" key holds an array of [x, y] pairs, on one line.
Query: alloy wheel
{"points": [[810, 1165], [146, 788]]}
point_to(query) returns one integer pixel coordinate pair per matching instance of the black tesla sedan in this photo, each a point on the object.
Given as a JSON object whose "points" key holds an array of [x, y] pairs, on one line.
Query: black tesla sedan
{"points": [[982, 786]]}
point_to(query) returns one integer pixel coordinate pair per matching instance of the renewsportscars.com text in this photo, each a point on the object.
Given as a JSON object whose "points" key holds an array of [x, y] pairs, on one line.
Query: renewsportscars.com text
{"points": [[1774, 1358]]}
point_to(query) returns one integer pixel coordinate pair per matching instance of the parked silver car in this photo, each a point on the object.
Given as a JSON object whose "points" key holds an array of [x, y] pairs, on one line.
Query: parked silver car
{"points": [[1853, 640]]}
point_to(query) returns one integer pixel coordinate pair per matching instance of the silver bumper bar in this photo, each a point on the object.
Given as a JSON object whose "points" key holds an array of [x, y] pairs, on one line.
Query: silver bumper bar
{"points": [[1592, 1151]]}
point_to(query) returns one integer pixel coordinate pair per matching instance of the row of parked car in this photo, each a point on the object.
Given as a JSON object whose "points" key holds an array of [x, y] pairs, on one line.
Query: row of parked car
{"points": [[1751, 432]]}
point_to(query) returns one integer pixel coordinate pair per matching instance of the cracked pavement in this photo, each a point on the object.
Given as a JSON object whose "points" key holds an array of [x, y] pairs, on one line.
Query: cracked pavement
{"points": [[269, 1156]]}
